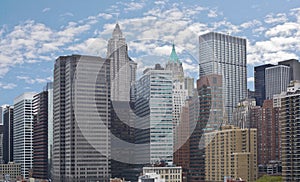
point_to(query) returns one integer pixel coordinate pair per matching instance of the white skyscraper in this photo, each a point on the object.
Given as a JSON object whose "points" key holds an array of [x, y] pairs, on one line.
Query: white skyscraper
{"points": [[23, 126], [154, 116], [277, 79], [225, 55], [180, 92], [123, 69]]}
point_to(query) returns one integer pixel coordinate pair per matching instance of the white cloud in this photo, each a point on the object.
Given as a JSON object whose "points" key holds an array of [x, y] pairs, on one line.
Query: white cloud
{"points": [[46, 10], [7, 86], [278, 18], [251, 24], [34, 80]]}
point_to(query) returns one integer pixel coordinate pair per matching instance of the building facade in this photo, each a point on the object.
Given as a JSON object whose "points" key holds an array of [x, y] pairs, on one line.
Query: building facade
{"points": [[225, 55], [289, 103], [81, 137], [231, 152], [168, 173], [277, 79], [10, 171], [241, 114], [207, 115], [123, 69], [23, 127], [8, 134], [43, 133], [153, 105], [260, 83]]}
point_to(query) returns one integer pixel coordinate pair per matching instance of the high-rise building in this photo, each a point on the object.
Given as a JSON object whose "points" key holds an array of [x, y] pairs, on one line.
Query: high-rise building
{"points": [[175, 65], [208, 117], [8, 134], [260, 83], [181, 155], [225, 55], [123, 69], [81, 119], [153, 106], [277, 79], [289, 103], [180, 93], [42, 133], [294, 66], [268, 134], [231, 152], [23, 125], [123, 77]]}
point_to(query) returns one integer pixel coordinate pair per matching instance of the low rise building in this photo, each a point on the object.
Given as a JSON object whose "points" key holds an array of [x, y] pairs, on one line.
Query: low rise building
{"points": [[168, 173], [10, 171]]}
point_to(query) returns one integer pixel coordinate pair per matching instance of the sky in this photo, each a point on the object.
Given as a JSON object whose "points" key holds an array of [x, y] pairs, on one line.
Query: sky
{"points": [[34, 33]]}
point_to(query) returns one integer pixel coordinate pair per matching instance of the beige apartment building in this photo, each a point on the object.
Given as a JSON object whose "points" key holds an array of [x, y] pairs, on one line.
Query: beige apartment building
{"points": [[231, 152], [168, 173]]}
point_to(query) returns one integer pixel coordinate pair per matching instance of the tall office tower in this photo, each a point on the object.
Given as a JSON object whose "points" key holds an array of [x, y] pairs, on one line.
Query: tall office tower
{"points": [[189, 85], [289, 103], [81, 119], [210, 117], [294, 65], [175, 65], [43, 133], [260, 83], [231, 152], [242, 113], [123, 77], [1, 143], [123, 69], [153, 106], [225, 55], [179, 92], [22, 124], [8, 134], [277, 79]]}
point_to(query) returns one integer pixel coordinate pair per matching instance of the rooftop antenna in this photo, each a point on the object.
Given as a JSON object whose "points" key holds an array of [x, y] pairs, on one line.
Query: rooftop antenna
{"points": [[117, 17]]}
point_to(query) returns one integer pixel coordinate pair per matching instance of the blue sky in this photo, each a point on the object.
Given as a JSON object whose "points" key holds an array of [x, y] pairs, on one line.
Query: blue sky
{"points": [[34, 33]]}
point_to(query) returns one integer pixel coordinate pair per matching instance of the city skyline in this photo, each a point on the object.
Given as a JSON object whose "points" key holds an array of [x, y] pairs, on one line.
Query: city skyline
{"points": [[31, 40]]}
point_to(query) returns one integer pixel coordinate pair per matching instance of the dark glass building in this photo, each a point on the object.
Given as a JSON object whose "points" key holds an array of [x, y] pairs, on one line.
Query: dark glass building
{"points": [[8, 138], [260, 83]]}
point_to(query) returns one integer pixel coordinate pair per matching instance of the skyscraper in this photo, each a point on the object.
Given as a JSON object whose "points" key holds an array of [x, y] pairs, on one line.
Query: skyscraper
{"points": [[208, 118], [8, 134], [43, 133], [289, 103], [277, 79], [225, 55], [153, 106], [260, 83], [294, 65], [123, 76], [123, 69], [23, 125], [81, 140]]}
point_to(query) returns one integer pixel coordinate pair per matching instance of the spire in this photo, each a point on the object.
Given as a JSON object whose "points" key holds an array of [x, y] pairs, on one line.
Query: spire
{"points": [[173, 56], [117, 31]]}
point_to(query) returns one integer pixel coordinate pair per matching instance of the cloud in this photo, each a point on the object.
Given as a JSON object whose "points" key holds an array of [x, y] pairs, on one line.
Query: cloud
{"points": [[34, 80], [7, 86], [46, 10], [275, 19], [132, 6]]}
